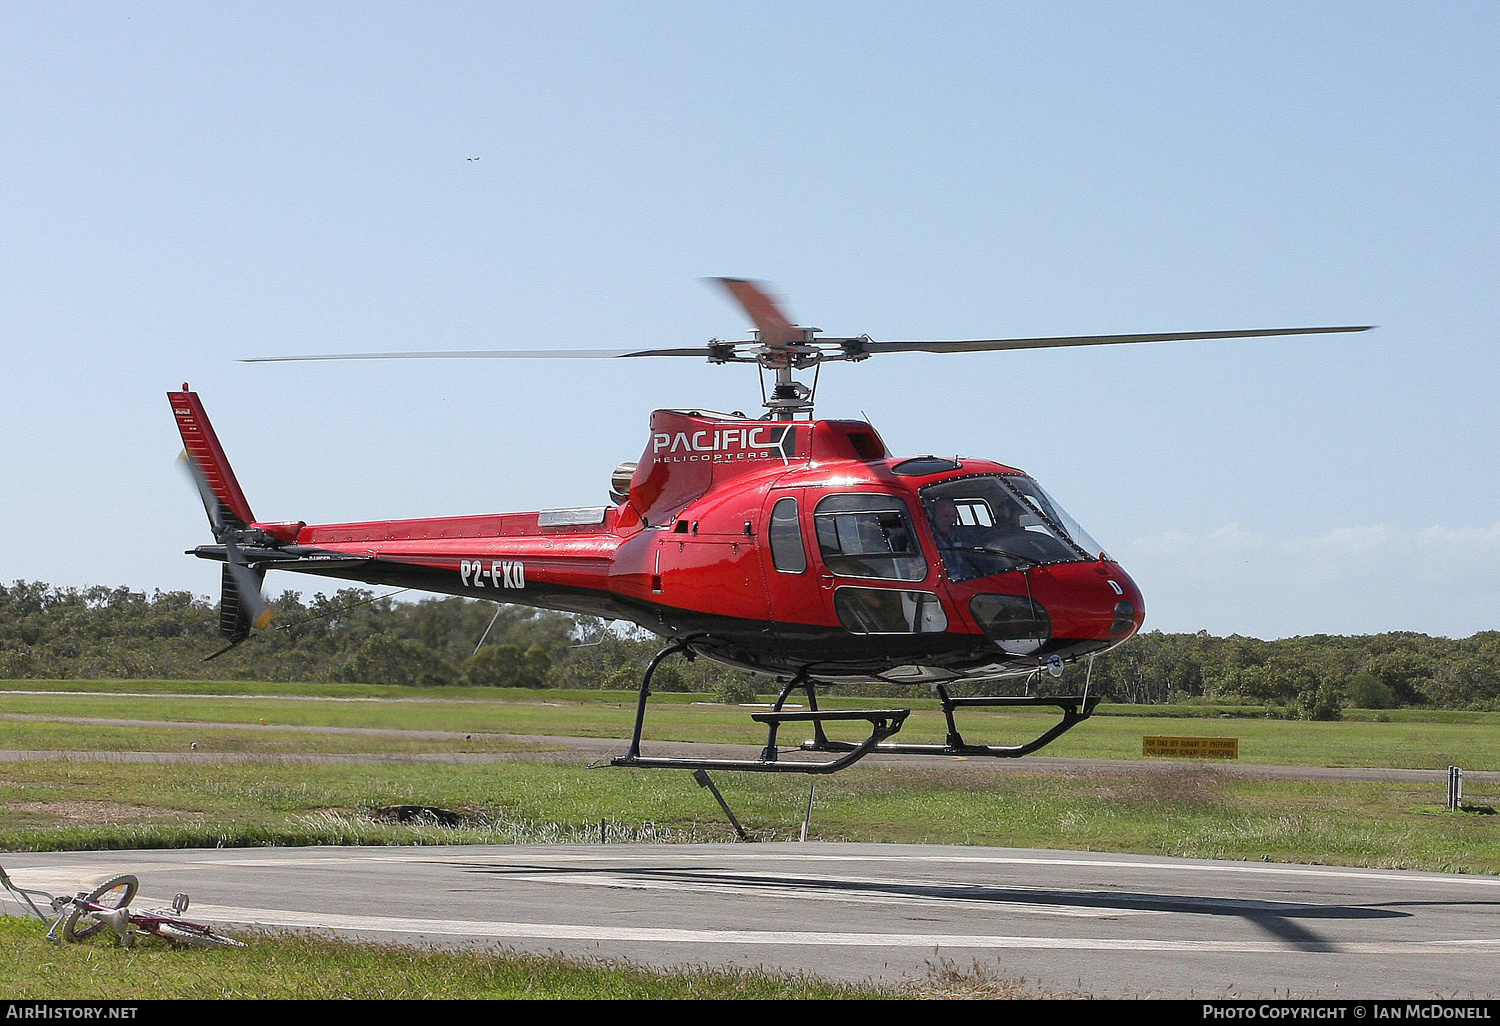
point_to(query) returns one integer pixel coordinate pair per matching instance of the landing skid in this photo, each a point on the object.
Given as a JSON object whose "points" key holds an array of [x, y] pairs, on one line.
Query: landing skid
{"points": [[884, 723], [1075, 709]]}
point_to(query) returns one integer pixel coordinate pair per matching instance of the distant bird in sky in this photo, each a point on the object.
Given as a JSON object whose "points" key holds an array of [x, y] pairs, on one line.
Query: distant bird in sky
{"points": [[473, 158]]}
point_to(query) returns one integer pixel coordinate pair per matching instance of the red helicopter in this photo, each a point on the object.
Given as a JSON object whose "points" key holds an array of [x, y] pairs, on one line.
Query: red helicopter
{"points": [[784, 545]]}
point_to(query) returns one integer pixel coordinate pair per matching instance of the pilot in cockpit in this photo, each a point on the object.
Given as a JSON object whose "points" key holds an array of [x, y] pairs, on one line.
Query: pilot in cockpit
{"points": [[971, 532], [957, 540]]}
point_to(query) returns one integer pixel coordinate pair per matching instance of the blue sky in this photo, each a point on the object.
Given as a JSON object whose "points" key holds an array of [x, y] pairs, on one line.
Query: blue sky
{"points": [[185, 186]]}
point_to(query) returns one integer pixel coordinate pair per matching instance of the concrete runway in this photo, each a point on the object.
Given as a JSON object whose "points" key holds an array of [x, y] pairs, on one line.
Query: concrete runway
{"points": [[1099, 924]]}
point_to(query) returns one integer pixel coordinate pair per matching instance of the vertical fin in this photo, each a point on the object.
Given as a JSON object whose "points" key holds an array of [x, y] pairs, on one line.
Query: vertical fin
{"points": [[202, 447]]}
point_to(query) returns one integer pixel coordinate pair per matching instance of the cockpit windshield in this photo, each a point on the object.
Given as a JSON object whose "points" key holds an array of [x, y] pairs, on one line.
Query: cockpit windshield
{"points": [[993, 523]]}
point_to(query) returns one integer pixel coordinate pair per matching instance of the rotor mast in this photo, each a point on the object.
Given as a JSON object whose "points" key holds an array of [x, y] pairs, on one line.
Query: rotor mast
{"points": [[781, 347], [789, 396]]}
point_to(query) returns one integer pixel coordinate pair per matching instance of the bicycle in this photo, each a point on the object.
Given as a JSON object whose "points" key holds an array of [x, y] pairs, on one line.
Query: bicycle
{"points": [[80, 916]]}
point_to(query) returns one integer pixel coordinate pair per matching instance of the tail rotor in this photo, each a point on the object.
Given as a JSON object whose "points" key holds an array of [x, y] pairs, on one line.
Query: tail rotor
{"points": [[242, 606]]}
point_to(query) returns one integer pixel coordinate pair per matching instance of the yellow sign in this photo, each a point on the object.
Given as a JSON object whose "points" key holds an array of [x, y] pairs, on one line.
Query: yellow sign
{"points": [[1192, 747]]}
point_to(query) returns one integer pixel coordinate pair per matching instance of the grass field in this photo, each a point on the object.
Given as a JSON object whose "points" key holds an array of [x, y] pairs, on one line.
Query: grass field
{"points": [[71, 737], [306, 968], [1171, 810], [1165, 808], [1415, 739], [1175, 809]]}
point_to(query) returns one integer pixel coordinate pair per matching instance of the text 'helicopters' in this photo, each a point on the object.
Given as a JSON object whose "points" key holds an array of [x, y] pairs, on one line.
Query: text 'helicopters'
{"points": [[785, 545]]}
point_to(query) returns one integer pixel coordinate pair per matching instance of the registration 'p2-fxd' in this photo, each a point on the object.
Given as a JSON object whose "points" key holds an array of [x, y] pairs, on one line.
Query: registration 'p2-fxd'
{"points": [[794, 547]]}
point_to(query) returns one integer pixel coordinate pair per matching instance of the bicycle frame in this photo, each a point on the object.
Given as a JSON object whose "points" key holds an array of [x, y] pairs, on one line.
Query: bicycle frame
{"points": [[126, 923], [25, 894]]}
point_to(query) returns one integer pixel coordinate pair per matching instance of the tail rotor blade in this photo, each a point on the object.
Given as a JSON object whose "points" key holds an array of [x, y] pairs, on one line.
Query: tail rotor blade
{"points": [[242, 585], [247, 584], [211, 504]]}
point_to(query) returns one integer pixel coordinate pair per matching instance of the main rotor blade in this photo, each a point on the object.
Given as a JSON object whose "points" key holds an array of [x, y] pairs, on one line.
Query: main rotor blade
{"points": [[776, 328], [980, 345], [780, 329], [702, 352]]}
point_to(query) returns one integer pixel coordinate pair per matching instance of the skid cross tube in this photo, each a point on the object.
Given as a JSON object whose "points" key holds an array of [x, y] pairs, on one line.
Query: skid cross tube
{"points": [[803, 681], [640, 709], [883, 724], [1075, 709]]}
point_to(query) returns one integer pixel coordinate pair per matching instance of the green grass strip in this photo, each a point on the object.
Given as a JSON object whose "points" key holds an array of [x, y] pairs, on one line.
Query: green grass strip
{"points": [[291, 967], [1407, 739]]}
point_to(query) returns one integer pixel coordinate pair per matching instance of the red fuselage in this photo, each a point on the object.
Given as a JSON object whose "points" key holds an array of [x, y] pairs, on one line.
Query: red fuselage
{"points": [[777, 546]]}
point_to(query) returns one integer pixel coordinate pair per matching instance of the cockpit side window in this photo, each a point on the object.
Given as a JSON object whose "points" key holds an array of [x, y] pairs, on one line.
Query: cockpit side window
{"points": [[868, 535], [889, 611], [787, 552]]}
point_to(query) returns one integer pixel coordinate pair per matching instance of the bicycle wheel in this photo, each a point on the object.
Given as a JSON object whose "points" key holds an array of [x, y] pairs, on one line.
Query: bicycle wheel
{"points": [[115, 892], [196, 936]]}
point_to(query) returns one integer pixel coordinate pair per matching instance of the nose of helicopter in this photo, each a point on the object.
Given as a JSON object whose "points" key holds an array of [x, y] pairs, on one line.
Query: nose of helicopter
{"points": [[1089, 601], [1065, 604]]}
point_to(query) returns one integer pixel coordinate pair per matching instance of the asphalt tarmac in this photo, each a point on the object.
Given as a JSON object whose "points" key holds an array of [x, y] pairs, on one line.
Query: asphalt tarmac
{"points": [[1065, 922]]}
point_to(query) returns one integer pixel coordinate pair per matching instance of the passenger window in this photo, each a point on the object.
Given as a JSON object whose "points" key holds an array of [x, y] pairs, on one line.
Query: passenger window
{"points": [[889, 611], [787, 552], [868, 536]]}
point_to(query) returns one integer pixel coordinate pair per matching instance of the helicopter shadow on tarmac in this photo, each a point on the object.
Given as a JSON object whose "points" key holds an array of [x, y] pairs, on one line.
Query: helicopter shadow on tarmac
{"points": [[1282, 920]]}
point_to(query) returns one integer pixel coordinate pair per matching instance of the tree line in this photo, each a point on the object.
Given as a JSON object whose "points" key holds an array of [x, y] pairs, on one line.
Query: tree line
{"points": [[49, 632]]}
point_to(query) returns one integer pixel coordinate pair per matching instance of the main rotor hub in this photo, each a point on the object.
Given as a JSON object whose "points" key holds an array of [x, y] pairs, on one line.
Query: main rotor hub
{"points": [[806, 349]]}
